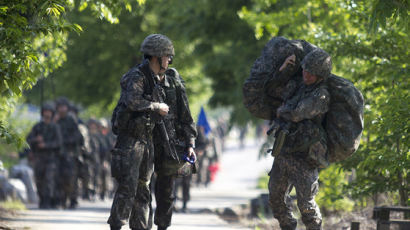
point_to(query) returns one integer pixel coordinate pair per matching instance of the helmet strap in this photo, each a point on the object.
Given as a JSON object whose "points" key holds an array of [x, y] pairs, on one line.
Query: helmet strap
{"points": [[160, 64]]}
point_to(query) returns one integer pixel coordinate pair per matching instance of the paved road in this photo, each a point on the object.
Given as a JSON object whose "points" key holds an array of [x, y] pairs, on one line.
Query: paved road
{"points": [[235, 184]]}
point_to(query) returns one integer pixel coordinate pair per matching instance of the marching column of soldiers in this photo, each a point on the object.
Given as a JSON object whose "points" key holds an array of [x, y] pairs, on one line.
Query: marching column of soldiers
{"points": [[70, 158]]}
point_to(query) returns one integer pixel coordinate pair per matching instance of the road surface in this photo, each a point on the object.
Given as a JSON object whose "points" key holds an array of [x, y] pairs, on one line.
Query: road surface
{"points": [[235, 184]]}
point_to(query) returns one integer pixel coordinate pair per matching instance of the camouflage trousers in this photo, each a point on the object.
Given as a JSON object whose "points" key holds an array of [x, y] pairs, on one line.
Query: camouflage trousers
{"points": [[45, 172], [288, 172], [132, 199], [165, 199], [68, 177], [165, 196]]}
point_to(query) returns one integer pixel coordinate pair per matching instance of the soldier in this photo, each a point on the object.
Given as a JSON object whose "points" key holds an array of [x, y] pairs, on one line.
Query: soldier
{"points": [[69, 164], [201, 143], [95, 159], [85, 161], [305, 146], [107, 143], [181, 132], [132, 158], [45, 142]]}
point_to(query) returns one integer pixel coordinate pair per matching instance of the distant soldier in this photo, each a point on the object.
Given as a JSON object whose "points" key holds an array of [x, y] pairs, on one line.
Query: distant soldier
{"points": [[95, 156], [132, 162], [45, 142], [305, 145], [84, 159], [107, 143], [202, 143], [69, 165]]}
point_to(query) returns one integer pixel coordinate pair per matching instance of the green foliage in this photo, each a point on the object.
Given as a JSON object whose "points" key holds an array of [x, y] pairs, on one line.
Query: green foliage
{"points": [[263, 181], [331, 198], [20, 122], [14, 205], [104, 51], [383, 163], [33, 38], [369, 42], [223, 46]]}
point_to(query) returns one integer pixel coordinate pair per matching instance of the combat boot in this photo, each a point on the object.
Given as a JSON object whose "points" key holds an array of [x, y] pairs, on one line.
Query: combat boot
{"points": [[162, 228], [184, 209], [73, 204], [115, 227]]}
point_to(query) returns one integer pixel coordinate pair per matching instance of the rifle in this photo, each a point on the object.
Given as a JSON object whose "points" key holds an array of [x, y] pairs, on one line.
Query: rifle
{"points": [[280, 129], [169, 148]]}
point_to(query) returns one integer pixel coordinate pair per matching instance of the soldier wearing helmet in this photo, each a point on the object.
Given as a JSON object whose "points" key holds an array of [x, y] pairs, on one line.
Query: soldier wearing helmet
{"points": [[45, 143], [132, 159], [69, 159], [305, 147]]}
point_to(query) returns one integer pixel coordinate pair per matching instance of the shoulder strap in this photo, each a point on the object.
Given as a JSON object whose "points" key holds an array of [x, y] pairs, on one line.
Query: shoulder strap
{"points": [[147, 73], [175, 78]]}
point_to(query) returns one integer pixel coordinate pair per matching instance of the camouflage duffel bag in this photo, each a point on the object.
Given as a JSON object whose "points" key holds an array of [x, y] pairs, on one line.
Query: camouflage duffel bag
{"points": [[171, 167], [255, 98], [344, 121]]}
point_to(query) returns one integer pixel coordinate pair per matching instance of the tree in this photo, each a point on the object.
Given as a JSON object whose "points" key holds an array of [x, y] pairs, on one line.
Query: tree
{"points": [[33, 40], [209, 38]]}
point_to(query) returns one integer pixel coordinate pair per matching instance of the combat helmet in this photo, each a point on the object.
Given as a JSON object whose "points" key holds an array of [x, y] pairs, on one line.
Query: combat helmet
{"points": [[48, 107], [157, 45], [318, 62], [63, 101]]}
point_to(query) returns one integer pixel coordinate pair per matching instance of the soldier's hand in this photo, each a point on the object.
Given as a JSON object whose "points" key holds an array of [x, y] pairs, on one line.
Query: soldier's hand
{"points": [[289, 61], [279, 111], [163, 109], [39, 138], [41, 145], [191, 154]]}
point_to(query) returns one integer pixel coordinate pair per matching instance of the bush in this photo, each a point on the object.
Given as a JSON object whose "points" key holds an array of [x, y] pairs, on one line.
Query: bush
{"points": [[331, 198]]}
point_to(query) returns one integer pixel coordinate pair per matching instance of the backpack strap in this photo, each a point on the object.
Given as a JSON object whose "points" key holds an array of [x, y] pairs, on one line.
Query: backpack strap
{"points": [[179, 86]]}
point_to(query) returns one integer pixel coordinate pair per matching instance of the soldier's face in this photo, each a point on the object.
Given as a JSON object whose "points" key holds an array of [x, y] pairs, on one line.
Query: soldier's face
{"points": [[62, 110], [166, 60], [46, 116], [93, 128], [309, 78]]}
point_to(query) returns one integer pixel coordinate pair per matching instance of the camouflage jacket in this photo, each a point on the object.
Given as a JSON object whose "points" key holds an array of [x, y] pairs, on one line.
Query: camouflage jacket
{"points": [[132, 114], [305, 111], [51, 137], [179, 122], [72, 138]]}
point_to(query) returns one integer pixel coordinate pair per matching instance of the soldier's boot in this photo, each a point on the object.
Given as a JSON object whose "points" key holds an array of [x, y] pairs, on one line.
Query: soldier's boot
{"points": [[47, 203], [115, 227], [73, 204], [184, 207], [162, 228], [102, 195], [288, 227], [41, 203]]}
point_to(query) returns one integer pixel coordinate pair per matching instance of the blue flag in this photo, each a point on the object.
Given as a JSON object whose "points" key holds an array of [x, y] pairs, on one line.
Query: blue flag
{"points": [[203, 121]]}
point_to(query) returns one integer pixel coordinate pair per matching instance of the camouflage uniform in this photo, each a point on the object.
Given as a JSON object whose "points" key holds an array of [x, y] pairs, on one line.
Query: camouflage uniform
{"points": [[202, 143], [132, 158], [106, 145], [69, 165], [181, 129], [303, 152], [45, 168]]}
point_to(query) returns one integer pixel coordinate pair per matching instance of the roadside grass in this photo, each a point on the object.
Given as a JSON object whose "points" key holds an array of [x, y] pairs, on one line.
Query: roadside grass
{"points": [[13, 205]]}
